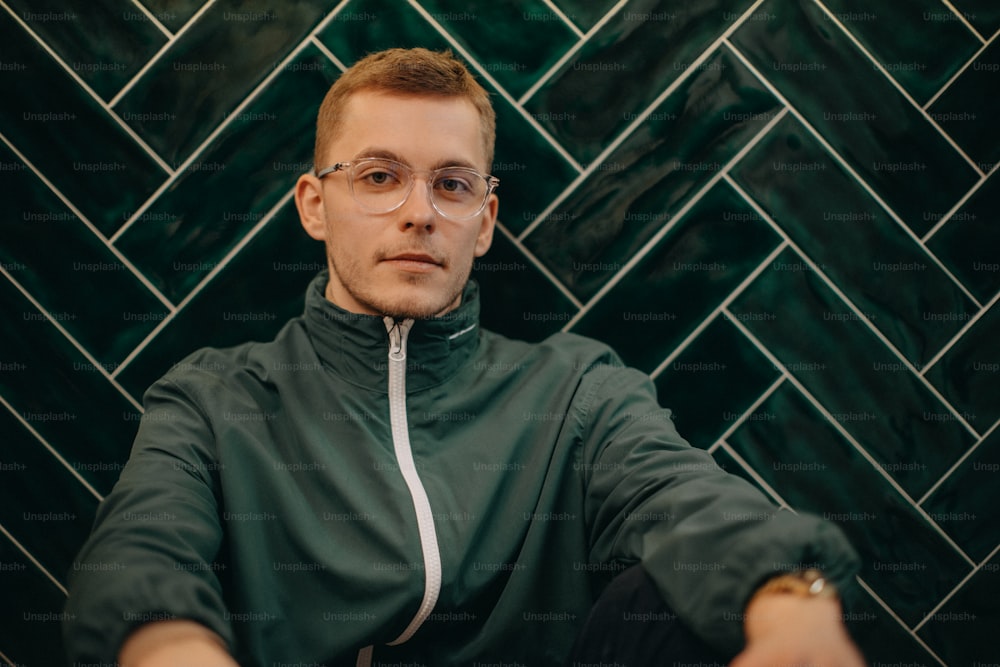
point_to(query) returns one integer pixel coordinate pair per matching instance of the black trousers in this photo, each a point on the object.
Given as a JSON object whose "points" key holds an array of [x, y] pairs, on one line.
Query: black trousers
{"points": [[631, 626]]}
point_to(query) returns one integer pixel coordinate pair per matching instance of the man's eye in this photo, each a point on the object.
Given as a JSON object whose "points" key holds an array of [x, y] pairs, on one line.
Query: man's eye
{"points": [[378, 177], [453, 185]]}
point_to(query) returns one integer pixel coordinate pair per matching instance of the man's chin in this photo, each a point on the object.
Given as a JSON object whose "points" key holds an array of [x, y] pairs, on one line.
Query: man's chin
{"points": [[415, 304]]}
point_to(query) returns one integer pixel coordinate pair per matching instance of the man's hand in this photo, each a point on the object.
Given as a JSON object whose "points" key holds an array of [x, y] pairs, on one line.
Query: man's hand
{"points": [[784, 630], [174, 644]]}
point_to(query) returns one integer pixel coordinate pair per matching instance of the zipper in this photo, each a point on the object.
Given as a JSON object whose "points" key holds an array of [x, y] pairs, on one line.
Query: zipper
{"points": [[398, 332]]}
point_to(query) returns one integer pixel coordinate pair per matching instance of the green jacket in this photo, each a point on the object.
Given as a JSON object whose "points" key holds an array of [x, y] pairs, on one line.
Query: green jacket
{"points": [[431, 489]]}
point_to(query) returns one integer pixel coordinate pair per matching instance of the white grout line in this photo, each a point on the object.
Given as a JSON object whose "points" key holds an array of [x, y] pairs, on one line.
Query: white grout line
{"points": [[203, 147], [677, 351], [558, 12], [640, 118], [737, 423], [675, 219], [961, 332], [961, 70], [52, 450], [7, 661], [136, 273], [159, 54], [837, 426], [89, 357], [326, 52], [861, 316], [33, 560], [902, 91], [152, 19], [962, 459], [775, 496], [959, 204], [570, 52], [976, 568], [542, 132], [847, 168], [249, 236], [882, 603], [962, 18], [530, 256], [90, 91]]}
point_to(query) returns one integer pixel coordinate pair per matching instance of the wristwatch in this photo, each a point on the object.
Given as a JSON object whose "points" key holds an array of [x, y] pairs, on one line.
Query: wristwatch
{"points": [[807, 583]]}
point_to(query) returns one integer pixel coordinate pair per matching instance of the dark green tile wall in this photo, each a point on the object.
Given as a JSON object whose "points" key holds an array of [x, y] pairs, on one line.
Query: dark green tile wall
{"points": [[785, 211]]}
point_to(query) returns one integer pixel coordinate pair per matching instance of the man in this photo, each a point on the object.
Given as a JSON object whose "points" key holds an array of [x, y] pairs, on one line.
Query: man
{"points": [[386, 483]]}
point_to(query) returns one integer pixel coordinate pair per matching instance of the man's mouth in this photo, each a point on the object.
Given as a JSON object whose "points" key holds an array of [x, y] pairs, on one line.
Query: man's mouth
{"points": [[416, 262]]}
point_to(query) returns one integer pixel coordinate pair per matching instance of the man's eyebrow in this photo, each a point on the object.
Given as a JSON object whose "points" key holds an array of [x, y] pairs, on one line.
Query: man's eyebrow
{"points": [[386, 154]]}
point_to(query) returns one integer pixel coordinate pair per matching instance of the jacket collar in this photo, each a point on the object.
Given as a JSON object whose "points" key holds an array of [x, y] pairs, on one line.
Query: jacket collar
{"points": [[356, 347]]}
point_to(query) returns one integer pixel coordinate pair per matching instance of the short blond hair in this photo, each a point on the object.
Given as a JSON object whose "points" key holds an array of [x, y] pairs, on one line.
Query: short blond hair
{"points": [[415, 71]]}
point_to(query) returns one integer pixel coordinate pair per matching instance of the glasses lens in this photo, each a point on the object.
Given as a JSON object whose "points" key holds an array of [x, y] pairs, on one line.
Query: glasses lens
{"points": [[458, 192], [380, 185]]}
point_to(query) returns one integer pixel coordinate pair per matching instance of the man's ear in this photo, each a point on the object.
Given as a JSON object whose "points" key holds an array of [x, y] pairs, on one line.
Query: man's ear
{"points": [[486, 227], [309, 202]]}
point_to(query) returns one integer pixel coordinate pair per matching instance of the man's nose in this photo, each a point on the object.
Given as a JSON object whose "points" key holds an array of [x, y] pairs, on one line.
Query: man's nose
{"points": [[417, 210]]}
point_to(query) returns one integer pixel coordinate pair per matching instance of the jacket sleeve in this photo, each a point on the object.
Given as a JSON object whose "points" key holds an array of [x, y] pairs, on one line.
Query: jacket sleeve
{"points": [[150, 554], [706, 537]]}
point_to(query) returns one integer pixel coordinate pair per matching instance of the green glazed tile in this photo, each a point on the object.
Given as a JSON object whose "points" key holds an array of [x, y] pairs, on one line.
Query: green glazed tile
{"points": [[857, 110], [968, 109], [883, 640], [963, 631], [255, 160], [720, 356], [128, 39], [586, 104], [31, 638], [968, 375], [676, 150], [61, 395], [678, 284], [516, 43], [921, 57], [366, 26], [901, 423], [517, 299], [965, 504], [67, 136], [984, 15], [65, 275], [585, 13], [967, 243], [210, 69], [173, 13], [33, 513], [531, 172], [251, 299], [815, 470], [889, 276]]}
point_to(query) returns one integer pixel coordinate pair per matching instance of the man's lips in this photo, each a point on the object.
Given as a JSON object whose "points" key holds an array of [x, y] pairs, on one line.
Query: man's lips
{"points": [[414, 261]]}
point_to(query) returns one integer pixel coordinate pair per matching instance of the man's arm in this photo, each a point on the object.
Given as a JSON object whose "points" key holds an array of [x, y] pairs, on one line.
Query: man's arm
{"points": [[707, 539], [149, 557]]}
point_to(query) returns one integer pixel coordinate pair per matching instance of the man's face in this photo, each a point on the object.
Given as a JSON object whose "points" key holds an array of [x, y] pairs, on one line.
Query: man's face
{"points": [[410, 262]]}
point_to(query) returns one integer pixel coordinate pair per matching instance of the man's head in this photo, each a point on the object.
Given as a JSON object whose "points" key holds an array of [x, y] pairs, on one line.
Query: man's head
{"points": [[423, 112], [404, 72]]}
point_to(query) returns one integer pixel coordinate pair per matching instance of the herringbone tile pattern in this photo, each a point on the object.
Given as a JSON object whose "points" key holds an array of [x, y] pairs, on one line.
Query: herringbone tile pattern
{"points": [[784, 210]]}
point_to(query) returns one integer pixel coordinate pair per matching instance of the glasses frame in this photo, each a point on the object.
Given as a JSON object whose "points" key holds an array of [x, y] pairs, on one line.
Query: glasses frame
{"points": [[492, 182]]}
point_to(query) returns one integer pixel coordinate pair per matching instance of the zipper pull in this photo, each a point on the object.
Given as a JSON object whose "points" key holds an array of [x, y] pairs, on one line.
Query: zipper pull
{"points": [[397, 337]]}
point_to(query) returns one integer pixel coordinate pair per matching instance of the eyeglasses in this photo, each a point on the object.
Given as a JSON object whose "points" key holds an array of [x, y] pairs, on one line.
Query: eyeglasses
{"points": [[380, 185]]}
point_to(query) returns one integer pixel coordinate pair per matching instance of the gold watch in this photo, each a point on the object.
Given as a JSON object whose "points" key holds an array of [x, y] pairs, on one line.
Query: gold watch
{"points": [[807, 583]]}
